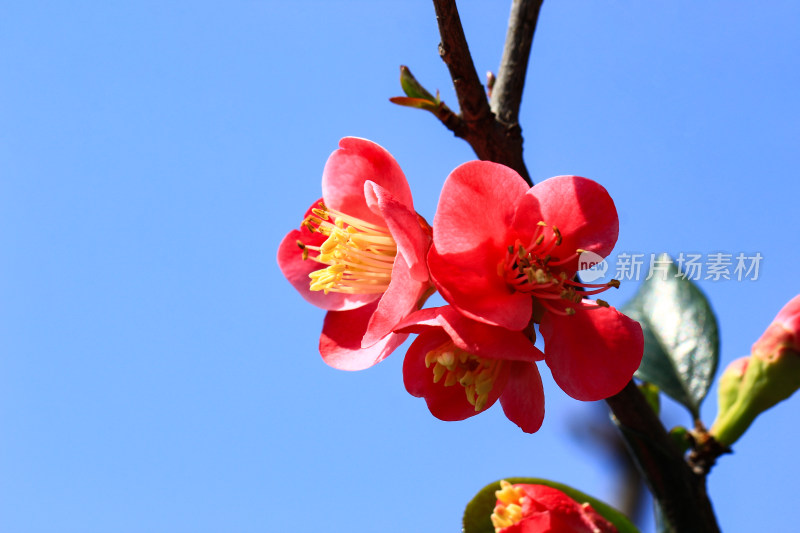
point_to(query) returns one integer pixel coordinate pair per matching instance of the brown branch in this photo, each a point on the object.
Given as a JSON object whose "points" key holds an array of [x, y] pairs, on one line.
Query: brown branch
{"points": [[490, 139], [507, 92], [678, 490]]}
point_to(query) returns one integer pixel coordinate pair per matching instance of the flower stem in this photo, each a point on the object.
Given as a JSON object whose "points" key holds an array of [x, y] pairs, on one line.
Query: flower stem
{"points": [[678, 490]]}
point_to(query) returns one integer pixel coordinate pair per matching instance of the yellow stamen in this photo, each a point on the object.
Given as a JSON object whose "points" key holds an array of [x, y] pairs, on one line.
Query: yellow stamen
{"points": [[508, 510], [359, 255], [476, 374]]}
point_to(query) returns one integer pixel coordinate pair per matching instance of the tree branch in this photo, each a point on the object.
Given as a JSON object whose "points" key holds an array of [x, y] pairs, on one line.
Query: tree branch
{"points": [[507, 91], [490, 139], [679, 491]]}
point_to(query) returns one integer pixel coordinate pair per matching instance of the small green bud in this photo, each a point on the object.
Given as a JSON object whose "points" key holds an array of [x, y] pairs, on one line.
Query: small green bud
{"points": [[751, 385], [680, 436]]}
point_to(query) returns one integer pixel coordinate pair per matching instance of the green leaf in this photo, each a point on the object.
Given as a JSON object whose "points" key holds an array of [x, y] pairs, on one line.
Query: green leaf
{"points": [[681, 342], [417, 103], [477, 515], [413, 88]]}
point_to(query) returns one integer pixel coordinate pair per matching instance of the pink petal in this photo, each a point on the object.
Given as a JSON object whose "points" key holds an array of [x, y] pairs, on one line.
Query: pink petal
{"points": [[594, 353], [475, 288], [404, 225], [565, 515], [470, 234], [400, 300], [789, 315], [487, 341], [539, 522], [340, 342], [296, 270], [523, 397], [476, 207], [445, 403], [420, 321], [349, 167], [581, 209]]}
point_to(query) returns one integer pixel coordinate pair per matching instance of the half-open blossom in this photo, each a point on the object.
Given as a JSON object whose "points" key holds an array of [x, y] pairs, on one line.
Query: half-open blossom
{"points": [[506, 255], [524, 508], [360, 253], [462, 367]]}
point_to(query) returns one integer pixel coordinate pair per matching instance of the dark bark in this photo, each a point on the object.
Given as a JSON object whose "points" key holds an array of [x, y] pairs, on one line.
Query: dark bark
{"points": [[678, 490], [507, 91], [490, 139]]}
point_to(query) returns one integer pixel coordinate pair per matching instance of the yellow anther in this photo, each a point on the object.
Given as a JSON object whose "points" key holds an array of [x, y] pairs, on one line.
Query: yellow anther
{"points": [[447, 359], [438, 372], [481, 401], [321, 213], [570, 311], [357, 256], [430, 358], [508, 510], [541, 276], [484, 387], [470, 390], [558, 236], [475, 374], [508, 494]]}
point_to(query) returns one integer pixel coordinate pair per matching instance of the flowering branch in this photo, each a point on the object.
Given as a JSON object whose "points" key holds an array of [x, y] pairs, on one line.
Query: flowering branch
{"points": [[507, 90], [491, 139], [495, 135], [680, 492]]}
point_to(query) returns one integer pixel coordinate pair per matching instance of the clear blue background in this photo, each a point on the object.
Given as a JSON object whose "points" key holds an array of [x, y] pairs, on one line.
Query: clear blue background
{"points": [[158, 374]]}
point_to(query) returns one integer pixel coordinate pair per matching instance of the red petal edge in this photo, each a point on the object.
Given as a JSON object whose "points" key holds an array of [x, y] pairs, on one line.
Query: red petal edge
{"points": [[594, 353]]}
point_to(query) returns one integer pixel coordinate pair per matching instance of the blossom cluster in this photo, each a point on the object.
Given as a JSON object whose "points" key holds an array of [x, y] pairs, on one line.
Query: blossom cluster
{"points": [[502, 254]]}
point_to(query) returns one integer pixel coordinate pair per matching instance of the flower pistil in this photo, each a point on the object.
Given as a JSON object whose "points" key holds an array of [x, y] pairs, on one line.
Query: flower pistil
{"points": [[533, 269]]}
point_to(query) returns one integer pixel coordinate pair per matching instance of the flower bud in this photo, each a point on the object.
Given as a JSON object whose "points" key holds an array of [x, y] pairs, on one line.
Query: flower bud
{"points": [[751, 385], [730, 382], [782, 338]]}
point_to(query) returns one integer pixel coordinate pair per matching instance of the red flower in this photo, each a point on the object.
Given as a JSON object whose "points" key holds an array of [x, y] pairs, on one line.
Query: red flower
{"points": [[541, 509], [462, 367], [360, 254], [506, 254]]}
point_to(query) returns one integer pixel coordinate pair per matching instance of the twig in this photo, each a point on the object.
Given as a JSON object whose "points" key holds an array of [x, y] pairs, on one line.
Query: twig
{"points": [[679, 491], [507, 92], [490, 139]]}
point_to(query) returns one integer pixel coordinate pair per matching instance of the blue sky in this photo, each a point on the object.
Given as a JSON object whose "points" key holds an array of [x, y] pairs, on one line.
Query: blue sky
{"points": [[158, 374]]}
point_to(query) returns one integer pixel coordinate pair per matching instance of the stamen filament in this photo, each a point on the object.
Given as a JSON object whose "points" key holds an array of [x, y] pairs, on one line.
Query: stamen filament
{"points": [[359, 255]]}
